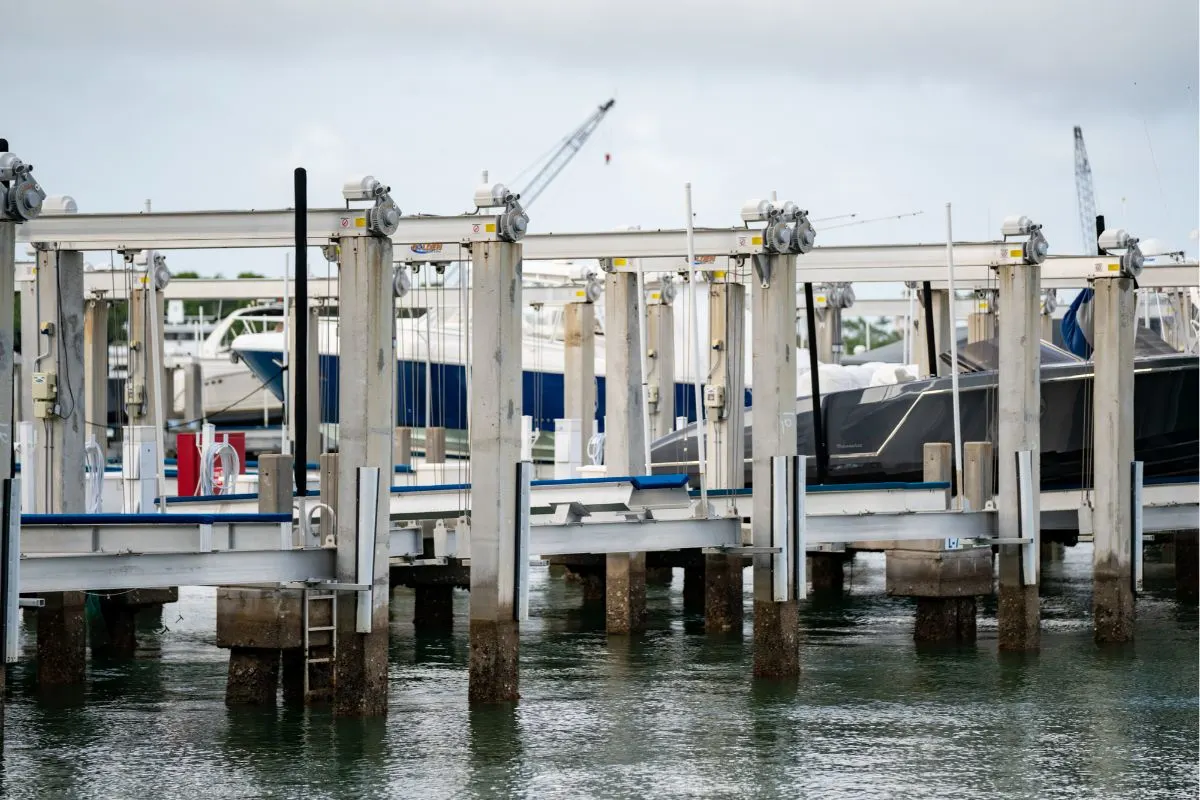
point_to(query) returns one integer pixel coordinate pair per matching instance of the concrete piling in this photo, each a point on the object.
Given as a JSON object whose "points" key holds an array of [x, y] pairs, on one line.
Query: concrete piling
{"points": [[61, 640], [367, 417], [1019, 429], [694, 586], [826, 569], [1112, 589], [119, 613], [625, 454], [435, 445], [402, 447], [726, 437], [776, 622], [495, 452], [579, 367], [660, 366], [944, 580]]}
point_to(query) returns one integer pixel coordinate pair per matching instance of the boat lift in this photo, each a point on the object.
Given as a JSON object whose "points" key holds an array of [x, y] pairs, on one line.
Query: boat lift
{"points": [[637, 530]]}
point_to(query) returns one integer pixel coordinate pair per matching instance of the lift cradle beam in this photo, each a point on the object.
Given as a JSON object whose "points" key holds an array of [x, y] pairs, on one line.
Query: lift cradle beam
{"points": [[442, 239]]}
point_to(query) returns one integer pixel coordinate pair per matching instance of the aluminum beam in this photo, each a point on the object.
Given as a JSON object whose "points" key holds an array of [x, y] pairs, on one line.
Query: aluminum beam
{"points": [[116, 571], [633, 537], [199, 230], [70, 540]]}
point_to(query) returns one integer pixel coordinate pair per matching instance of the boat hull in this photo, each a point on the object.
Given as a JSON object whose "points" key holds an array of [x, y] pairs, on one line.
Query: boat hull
{"points": [[877, 434], [542, 392]]}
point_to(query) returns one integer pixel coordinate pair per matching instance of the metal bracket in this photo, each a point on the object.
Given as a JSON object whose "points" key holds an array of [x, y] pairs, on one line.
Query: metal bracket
{"points": [[743, 550], [333, 586], [368, 509], [1029, 525], [568, 513], [762, 266]]}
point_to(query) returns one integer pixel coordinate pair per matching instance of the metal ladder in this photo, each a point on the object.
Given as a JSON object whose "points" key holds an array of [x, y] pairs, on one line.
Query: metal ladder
{"points": [[322, 652]]}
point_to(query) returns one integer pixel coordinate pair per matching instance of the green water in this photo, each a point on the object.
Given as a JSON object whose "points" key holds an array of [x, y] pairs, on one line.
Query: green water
{"points": [[672, 713]]}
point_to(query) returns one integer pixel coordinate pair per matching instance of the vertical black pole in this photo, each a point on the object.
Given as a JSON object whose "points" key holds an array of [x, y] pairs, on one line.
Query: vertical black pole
{"points": [[814, 376], [6, 488], [299, 356], [11, 420], [1099, 230], [930, 337]]}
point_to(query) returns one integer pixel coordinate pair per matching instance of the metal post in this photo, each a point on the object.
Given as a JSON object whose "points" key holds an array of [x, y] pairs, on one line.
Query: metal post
{"points": [[1112, 598], [1018, 403], [981, 323], [660, 346], [402, 447], [825, 328], [141, 391], [935, 327], [367, 385], [725, 409], [495, 453], [579, 374], [95, 366], [8, 235], [776, 624], [10, 512], [310, 384], [624, 448], [60, 375], [59, 453], [305, 411], [29, 349], [193, 394]]}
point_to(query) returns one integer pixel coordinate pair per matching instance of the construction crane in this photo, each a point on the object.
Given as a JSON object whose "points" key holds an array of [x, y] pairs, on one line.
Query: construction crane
{"points": [[563, 154], [1085, 194]]}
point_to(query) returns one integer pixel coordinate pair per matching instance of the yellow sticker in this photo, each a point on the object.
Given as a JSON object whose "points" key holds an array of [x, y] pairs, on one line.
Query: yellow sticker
{"points": [[360, 222], [1016, 253], [655, 295], [579, 293], [719, 274], [756, 240], [820, 298], [620, 262], [490, 227], [1114, 266]]}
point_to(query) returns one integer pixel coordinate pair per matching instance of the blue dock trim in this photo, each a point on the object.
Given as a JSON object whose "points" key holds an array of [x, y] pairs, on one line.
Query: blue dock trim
{"points": [[207, 498], [35, 520]]}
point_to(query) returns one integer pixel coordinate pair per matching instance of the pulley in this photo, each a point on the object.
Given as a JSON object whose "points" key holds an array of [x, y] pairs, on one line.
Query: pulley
{"points": [[22, 200]]}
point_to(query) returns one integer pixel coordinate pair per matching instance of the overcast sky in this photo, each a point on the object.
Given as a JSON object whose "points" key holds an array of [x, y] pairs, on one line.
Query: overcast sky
{"points": [[872, 107]]}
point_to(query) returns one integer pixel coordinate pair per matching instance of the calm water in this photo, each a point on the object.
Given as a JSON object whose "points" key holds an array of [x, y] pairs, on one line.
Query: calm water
{"points": [[669, 714]]}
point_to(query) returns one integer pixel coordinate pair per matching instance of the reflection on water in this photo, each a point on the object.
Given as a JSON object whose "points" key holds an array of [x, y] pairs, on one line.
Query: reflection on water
{"points": [[667, 714]]}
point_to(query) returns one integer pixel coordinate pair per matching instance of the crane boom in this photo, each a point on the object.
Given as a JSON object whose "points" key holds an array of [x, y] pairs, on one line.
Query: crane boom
{"points": [[1085, 194], [563, 155]]}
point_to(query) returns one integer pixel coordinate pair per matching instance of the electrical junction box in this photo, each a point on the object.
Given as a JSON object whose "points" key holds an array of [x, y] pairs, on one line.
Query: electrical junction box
{"points": [[714, 396], [45, 394]]}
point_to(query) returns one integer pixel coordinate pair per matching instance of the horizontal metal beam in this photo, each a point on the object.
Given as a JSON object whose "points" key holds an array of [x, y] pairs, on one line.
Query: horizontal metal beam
{"points": [[633, 537], [115, 285], [159, 538], [115, 571], [900, 527], [200, 230]]}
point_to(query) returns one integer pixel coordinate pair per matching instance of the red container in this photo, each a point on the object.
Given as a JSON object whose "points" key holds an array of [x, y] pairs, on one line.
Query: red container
{"points": [[189, 459]]}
